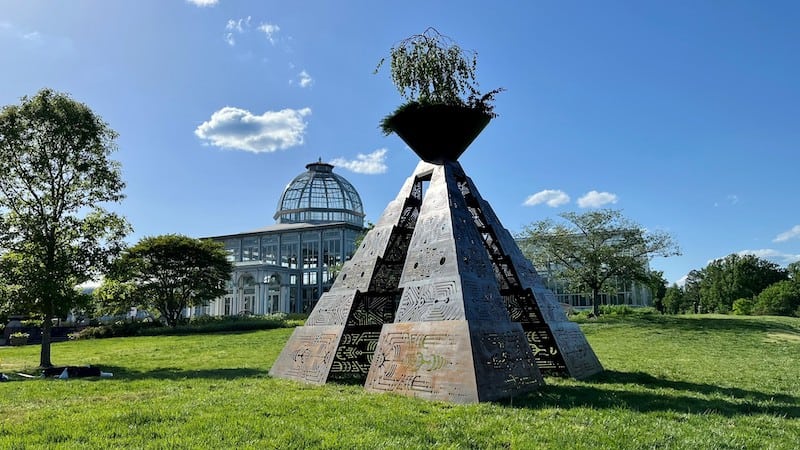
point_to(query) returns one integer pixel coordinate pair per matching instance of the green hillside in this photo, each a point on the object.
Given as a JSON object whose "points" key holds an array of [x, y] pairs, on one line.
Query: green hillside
{"points": [[670, 382]]}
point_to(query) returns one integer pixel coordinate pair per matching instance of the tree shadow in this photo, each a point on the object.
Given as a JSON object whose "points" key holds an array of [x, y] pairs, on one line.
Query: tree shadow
{"points": [[175, 373], [687, 397], [696, 323]]}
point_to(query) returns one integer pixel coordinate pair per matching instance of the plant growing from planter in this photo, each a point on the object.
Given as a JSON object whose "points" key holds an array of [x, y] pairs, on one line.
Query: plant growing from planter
{"points": [[444, 110], [18, 338]]}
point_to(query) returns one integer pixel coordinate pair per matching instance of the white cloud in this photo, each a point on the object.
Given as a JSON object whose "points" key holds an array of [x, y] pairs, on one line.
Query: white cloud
{"points": [[305, 79], [32, 36], [235, 128], [203, 3], [594, 199], [234, 26], [682, 280], [240, 25], [772, 255], [271, 30], [786, 235], [550, 197], [371, 164]]}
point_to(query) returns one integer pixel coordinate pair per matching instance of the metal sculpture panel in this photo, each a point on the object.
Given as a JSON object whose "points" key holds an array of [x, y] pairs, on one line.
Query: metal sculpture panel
{"points": [[309, 354], [432, 360]]}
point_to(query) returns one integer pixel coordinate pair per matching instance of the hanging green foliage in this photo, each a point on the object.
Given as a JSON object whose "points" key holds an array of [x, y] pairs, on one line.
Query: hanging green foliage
{"points": [[430, 68]]}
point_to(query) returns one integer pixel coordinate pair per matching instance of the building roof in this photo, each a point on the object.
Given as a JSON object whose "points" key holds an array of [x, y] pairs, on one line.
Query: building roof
{"points": [[283, 227], [320, 196]]}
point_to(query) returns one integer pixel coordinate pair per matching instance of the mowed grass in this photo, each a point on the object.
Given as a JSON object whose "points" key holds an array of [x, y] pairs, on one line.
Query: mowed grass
{"points": [[670, 382]]}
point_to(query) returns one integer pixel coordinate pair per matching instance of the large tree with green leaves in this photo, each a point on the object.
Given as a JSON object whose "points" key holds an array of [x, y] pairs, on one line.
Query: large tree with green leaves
{"points": [[591, 248], [168, 274], [55, 177], [733, 277]]}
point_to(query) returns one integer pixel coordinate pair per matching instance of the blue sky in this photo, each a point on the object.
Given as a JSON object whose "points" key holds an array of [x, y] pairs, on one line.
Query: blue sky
{"points": [[684, 115]]}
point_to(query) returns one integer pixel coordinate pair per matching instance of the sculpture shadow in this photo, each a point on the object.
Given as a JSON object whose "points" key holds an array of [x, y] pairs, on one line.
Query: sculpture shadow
{"points": [[175, 373], [683, 397]]}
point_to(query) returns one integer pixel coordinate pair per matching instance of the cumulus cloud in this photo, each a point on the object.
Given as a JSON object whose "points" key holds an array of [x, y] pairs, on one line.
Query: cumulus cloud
{"points": [[370, 164], [787, 235], [550, 197], [594, 199], [271, 30], [772, 255], [239, 129], [203, 3]]}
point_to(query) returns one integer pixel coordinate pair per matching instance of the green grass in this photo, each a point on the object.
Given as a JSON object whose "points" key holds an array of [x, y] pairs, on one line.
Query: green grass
{"points": [[670, 382]]}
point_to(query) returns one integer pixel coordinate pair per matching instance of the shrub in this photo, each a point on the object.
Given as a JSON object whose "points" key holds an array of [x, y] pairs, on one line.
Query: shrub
{"points": [[780, 299], [98, 332], [616, 310], [743, 306], [197, 325]]}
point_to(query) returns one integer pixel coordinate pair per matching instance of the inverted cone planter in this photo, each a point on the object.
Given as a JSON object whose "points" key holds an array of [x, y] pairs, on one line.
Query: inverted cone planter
{"points": [[438, 133]]}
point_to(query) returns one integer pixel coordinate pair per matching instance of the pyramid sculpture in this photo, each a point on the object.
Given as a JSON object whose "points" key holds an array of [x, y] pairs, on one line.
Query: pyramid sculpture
{"points": [[438, 302]]}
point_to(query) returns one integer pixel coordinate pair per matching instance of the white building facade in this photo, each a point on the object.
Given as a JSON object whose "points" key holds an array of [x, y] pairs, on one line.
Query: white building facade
{"points": [[287, 266]]}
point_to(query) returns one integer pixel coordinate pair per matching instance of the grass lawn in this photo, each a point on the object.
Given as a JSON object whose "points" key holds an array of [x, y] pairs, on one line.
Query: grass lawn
{"points": [[670, 382]]}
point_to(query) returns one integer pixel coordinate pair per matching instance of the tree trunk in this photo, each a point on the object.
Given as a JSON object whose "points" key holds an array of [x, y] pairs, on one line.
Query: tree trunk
{"points": [[596, 302], [47, 326]]}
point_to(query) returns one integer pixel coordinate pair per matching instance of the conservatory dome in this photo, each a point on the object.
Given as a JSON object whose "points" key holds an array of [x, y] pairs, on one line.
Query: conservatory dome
{"points": [[320, 196]]}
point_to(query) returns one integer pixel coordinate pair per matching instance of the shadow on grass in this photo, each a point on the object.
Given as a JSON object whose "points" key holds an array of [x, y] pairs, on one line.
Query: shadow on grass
{"points": [[174, 373], [693, 398], [697, 323]]}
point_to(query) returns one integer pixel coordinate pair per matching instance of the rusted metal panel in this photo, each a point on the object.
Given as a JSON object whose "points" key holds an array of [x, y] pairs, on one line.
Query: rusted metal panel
{"points": [[432, 360], [309, 354]]}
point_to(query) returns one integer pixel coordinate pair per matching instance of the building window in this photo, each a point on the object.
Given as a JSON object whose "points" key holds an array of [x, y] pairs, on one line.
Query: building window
{"points": [[310, 254], [269, 250], [290, 250], [250, 249], [233, 247]]}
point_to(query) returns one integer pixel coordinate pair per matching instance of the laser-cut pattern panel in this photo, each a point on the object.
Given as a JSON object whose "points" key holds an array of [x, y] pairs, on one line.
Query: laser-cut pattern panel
{"points": [[504, 363], [428, 360], [308, 354], [354, 354], [578, 356], [332, 309], [430, 301]]}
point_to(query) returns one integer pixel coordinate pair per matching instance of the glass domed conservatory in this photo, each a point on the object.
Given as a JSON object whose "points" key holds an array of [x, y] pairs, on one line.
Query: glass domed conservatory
{"points": [[285, 267], [318, 196]]}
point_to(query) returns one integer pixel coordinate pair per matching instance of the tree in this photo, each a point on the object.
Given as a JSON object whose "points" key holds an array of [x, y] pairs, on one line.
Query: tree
{"points": [[655, 281], [595, 247], [168, 274], [675, 300], [727, 279], [793, 271], [779, 299], [55, 177]]}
